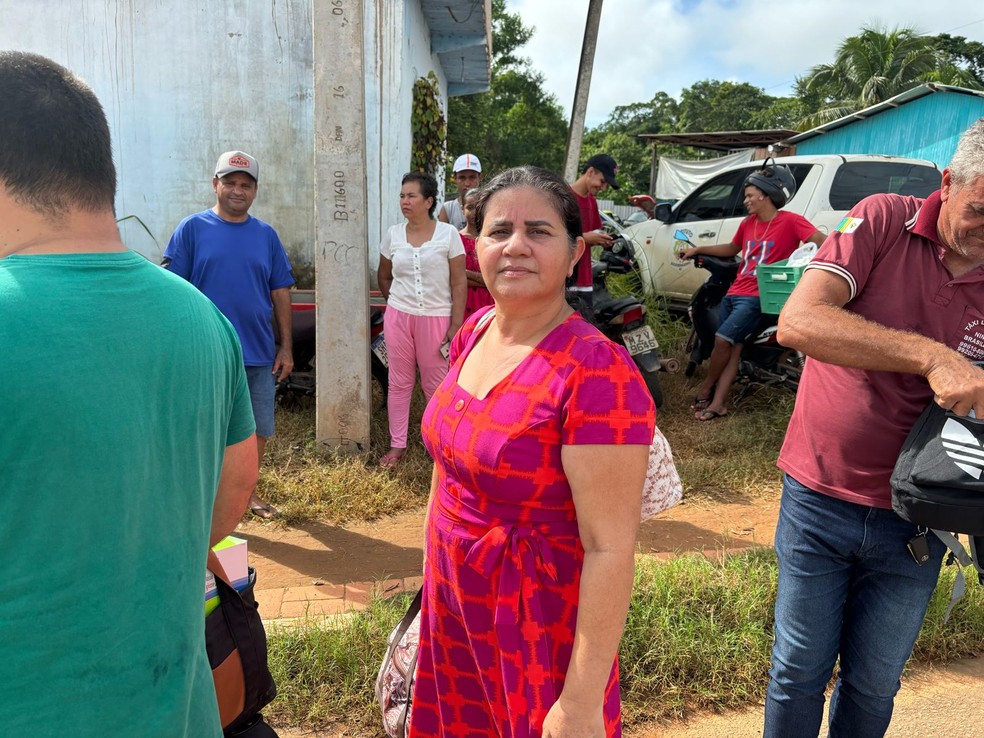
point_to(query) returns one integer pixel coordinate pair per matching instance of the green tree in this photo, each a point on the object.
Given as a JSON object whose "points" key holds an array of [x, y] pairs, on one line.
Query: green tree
{"points": [[659, 115], [710, 105], [517, 121], [784, 112], [877, 64], [961, 52], [633, 156], [619, 137]]}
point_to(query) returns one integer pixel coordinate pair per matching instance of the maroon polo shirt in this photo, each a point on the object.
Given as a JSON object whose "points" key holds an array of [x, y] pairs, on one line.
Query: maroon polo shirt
{"points": [[590, 221], [849, 424]]}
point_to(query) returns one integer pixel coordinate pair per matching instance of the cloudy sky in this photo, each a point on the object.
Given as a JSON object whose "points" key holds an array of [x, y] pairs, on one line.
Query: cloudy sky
{"points": [[650, 45]]}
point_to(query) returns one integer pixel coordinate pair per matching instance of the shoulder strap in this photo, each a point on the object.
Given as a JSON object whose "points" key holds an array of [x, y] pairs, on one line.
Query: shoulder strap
{"points": [[484, 320], [959, 555]]}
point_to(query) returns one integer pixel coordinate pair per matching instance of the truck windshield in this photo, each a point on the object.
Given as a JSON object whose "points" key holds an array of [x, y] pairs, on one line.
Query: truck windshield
{"points": [[855, 180]]}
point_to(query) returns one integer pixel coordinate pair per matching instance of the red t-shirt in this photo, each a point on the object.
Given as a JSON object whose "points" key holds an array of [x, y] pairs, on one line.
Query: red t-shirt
{"points": [[766, 243], [590, 221], [849, 424]]}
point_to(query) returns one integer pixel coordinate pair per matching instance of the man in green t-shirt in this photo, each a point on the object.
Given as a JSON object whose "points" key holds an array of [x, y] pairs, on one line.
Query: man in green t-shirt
{"points": [[127, 439]]}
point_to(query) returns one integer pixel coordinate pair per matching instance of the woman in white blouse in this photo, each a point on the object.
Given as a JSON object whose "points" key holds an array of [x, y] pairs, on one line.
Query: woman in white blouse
{"points": [[422, 276]]}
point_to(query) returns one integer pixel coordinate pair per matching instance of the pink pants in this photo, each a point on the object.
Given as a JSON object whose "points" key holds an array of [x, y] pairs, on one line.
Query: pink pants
{"points": [[412, 341]]}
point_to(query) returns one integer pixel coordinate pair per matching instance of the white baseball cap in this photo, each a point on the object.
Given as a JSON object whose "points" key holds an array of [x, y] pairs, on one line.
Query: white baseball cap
{"points": [[237, 161], [467, 161]]}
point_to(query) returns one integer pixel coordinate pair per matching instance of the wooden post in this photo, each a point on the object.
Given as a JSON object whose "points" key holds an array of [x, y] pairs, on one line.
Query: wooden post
{"points": [[341, 247], [575, 133]]}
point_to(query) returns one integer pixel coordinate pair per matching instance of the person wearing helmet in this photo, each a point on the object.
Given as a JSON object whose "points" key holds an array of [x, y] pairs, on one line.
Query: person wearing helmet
{"points": [[769, 234]]}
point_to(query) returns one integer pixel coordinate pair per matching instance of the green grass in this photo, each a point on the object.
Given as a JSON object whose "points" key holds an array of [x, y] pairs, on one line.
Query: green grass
{"points": [[698, 634], [307, 482], [325, 672], [698, 637]]}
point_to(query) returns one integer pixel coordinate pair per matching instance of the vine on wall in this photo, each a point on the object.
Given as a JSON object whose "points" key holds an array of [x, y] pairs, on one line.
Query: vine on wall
{"points": [[430, 130]]}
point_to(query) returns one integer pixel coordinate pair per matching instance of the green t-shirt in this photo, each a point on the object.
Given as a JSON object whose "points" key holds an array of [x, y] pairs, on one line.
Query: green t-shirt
{"points": [[120, 387]]}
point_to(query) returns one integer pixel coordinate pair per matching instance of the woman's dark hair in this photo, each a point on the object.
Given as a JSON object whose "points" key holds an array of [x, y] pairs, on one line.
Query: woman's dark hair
{"points": [[551, 185], [427, 184]]}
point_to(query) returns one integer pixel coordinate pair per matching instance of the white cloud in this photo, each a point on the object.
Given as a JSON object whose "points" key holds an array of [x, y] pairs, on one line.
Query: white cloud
{"points": [[649, 45]]}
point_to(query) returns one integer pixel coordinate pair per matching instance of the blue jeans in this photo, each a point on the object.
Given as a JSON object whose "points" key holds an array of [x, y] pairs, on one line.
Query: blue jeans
{"points": [[738, 317], [848, 586], [262, 395]]}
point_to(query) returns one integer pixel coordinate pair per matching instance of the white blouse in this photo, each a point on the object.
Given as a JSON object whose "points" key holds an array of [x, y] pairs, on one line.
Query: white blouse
{"points": [[421, 274]]}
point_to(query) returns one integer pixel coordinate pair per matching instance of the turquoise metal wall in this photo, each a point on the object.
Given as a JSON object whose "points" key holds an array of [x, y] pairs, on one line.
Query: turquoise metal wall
{"points": [[927, 128]]}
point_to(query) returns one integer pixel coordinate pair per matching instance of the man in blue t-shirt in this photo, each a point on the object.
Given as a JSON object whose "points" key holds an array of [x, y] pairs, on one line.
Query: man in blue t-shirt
{"points": [[238, 262]]}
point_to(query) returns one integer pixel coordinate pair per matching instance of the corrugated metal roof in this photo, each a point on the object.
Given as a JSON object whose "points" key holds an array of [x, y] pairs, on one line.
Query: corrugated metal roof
{"points": [[721, 140], [461, 36], [915, 93]]}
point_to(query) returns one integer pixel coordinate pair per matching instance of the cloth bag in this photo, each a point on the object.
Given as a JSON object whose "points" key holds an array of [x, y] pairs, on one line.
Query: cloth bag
{"points": [[662, 488], [237, 651], [394, 682]]}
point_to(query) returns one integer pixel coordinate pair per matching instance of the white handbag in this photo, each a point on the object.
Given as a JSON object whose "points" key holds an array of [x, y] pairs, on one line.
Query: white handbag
{"points": [[662, 488], [394, 682]]}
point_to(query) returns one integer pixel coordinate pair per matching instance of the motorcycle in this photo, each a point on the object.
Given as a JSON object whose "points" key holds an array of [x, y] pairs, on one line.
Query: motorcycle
{"points": [[764, 361], [623, 319], [302, 381]]}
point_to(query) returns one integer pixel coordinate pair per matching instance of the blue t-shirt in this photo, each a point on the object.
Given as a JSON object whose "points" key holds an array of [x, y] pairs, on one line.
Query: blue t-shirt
{"points": [[235, 265]]}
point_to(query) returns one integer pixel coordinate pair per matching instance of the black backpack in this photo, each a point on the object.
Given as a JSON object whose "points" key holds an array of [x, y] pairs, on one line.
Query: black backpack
{"points": [[937, 484]]}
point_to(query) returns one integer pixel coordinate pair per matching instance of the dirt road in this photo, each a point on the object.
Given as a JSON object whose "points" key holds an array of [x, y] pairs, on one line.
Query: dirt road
{"points": [[391, 547]]}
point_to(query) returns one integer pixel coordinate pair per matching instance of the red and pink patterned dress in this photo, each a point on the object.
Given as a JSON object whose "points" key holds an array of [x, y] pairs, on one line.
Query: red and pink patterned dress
{"points": [[504, 558]]}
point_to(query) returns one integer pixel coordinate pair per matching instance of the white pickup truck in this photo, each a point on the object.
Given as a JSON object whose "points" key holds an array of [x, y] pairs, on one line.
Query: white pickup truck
{"points": [[827, 187]]}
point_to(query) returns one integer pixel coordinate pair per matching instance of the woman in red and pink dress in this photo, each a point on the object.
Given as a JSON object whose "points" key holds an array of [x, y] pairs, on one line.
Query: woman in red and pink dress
{"points": [[478, 295], [540, 435]]}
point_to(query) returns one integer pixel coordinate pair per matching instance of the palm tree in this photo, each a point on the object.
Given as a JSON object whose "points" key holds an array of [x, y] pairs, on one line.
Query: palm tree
{"points": [[871, 67]]}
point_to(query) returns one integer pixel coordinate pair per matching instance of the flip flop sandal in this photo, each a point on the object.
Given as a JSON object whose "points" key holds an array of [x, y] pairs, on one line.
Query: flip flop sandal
{"points": [[266, 511], [700, 403], [391, 461], [707, 415]]}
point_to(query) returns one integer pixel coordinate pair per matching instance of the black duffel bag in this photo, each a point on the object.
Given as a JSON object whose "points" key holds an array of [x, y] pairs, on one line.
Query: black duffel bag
{"points": [[237, 653]]}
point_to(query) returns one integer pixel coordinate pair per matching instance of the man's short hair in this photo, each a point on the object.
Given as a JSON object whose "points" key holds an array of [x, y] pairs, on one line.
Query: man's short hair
{"points": [[967, 163], [55, 149]]}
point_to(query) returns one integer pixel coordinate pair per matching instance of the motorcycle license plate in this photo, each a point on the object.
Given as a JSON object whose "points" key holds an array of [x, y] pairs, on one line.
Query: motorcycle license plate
{"points": [[640, 340], [379, 348]]}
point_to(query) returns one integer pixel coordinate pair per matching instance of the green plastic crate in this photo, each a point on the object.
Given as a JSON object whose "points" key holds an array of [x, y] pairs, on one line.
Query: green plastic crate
{"points": [[776, 282]]}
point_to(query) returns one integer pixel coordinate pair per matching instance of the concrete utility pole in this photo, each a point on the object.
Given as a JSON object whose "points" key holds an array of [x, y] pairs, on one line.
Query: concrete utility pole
{"points": [[576, 132], [341, 247]]}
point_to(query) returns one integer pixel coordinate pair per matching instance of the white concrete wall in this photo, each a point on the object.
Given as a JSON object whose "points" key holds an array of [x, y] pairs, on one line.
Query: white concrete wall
{"points": [[182, 82], [397, 54]]}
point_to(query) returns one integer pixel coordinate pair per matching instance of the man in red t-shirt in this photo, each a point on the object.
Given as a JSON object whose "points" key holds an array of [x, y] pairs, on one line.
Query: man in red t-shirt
{"points": [[599, 172], [766, 236], [890, 313]]}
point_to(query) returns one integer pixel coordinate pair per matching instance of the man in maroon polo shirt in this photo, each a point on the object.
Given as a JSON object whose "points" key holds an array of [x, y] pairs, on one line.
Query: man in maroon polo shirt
{"points": [[891, 315], [599, 173]]}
